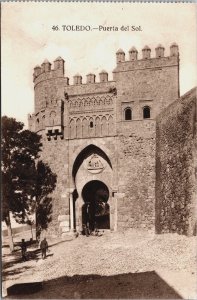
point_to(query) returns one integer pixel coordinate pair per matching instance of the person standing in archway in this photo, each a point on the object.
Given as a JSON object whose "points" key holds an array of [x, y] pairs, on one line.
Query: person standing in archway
{"points": [[91, 216], [85, 219]]}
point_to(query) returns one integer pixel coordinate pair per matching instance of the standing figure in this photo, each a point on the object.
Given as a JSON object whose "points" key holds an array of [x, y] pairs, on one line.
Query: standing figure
{"points": [[44, 247], [23, 250]]}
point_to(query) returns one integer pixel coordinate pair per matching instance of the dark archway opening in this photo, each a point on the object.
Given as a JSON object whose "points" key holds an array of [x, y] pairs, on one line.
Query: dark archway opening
{"points": [[96, 210]]}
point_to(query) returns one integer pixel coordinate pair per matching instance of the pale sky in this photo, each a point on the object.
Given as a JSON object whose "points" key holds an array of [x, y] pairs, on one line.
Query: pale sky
{"points": [[28, 38]]}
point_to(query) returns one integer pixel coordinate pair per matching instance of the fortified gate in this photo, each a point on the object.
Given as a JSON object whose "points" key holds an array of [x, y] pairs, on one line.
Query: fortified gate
{"points": [[99, 137]]}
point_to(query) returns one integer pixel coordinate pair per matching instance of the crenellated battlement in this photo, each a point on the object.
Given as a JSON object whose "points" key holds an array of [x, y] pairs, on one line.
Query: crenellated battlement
{"points": [[106, 133], [142, 81], [45, 72], [146, 53], [158, 62]]}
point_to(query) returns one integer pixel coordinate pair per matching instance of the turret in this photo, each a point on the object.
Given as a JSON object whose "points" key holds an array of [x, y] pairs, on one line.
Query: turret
{"points": [[59, 64], [46, 66], [37, 71], [159, 50], [77, 79], [103, 76], [146, 52], [90, 78], [133, 53], [120, 56], [174, 50]]}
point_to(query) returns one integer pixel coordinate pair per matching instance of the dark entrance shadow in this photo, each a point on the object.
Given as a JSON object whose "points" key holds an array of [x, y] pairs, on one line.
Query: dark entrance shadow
{"points": [[96, 210], [146, 285]]}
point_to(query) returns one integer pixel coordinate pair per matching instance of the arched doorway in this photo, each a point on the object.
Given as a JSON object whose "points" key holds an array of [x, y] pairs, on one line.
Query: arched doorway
{"points": [[95, 209]]}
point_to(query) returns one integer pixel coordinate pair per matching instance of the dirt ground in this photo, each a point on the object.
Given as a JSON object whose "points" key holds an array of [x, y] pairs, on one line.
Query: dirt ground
{"points": [[132, 265]]}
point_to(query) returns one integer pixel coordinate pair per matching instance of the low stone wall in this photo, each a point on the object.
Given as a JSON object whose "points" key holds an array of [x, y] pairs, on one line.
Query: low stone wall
{"points": [[176, 165]]}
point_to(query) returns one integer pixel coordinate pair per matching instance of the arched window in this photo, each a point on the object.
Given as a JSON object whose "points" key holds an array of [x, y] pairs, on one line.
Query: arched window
{"points": [[128, 114], [146, 112]]}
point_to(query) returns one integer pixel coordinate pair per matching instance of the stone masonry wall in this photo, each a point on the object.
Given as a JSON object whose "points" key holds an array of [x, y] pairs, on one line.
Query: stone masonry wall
{"points": [[152, 82], [136, 175], [175, 167], [60, 156], [55, 153]]}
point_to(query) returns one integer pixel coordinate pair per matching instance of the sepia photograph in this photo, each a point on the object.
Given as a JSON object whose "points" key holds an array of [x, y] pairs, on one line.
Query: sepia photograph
{"points": [[98, 150]]}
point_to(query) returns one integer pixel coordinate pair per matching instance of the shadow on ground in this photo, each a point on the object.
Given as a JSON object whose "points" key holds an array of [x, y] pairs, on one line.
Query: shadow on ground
{"points": [[146, 285], [14, 260]]}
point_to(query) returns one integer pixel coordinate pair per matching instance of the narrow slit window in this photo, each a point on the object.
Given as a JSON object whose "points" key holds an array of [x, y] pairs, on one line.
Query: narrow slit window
{"points": [[91, 124], [146, 112], [128, 114]]}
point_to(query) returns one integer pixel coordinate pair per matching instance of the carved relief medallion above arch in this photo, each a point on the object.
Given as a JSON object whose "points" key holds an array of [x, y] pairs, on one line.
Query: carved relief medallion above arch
{"points": [[95, 164]]}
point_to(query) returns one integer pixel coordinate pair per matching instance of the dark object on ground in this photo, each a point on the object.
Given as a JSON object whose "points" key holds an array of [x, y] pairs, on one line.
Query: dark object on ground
{"points": [[25, 288]]}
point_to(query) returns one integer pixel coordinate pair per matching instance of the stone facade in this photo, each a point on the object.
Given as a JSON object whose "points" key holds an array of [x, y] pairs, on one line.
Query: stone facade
{"points": [[176, 166], [100, 137]]}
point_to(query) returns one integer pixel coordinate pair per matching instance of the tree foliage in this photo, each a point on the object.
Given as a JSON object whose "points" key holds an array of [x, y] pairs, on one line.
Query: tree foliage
{"points": [[20, 149], [45, 184], [26, 181]]}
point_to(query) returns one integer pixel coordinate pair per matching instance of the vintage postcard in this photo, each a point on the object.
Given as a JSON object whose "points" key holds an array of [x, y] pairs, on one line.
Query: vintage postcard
{"points": [[99, 158]]}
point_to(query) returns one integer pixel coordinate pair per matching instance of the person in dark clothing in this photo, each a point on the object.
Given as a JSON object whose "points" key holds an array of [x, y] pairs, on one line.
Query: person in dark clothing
{"points": [[23, 250], [44, 247]]}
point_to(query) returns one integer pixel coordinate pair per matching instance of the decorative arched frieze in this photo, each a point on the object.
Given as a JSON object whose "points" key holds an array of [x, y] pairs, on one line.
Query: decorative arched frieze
{"points": [[85, 127], [72, 129], [97, 126], [91, 127], [111, 125], [104, 126], [79, 128]]}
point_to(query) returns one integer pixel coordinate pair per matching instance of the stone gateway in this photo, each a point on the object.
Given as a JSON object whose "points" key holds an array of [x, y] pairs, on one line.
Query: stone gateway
{"points": [[118, 147]]}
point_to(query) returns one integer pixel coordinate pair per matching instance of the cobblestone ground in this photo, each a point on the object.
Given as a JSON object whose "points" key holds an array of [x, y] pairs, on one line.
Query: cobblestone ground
{"points": [[133, 264]]}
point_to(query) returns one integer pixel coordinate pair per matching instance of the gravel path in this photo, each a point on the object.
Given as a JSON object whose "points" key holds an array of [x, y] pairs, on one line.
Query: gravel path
{"points": [[171, 256]]}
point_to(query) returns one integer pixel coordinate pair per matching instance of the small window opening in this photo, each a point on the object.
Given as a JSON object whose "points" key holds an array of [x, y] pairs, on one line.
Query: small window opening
{"points": [[128, 114], [146, 112], [91, 124]]}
